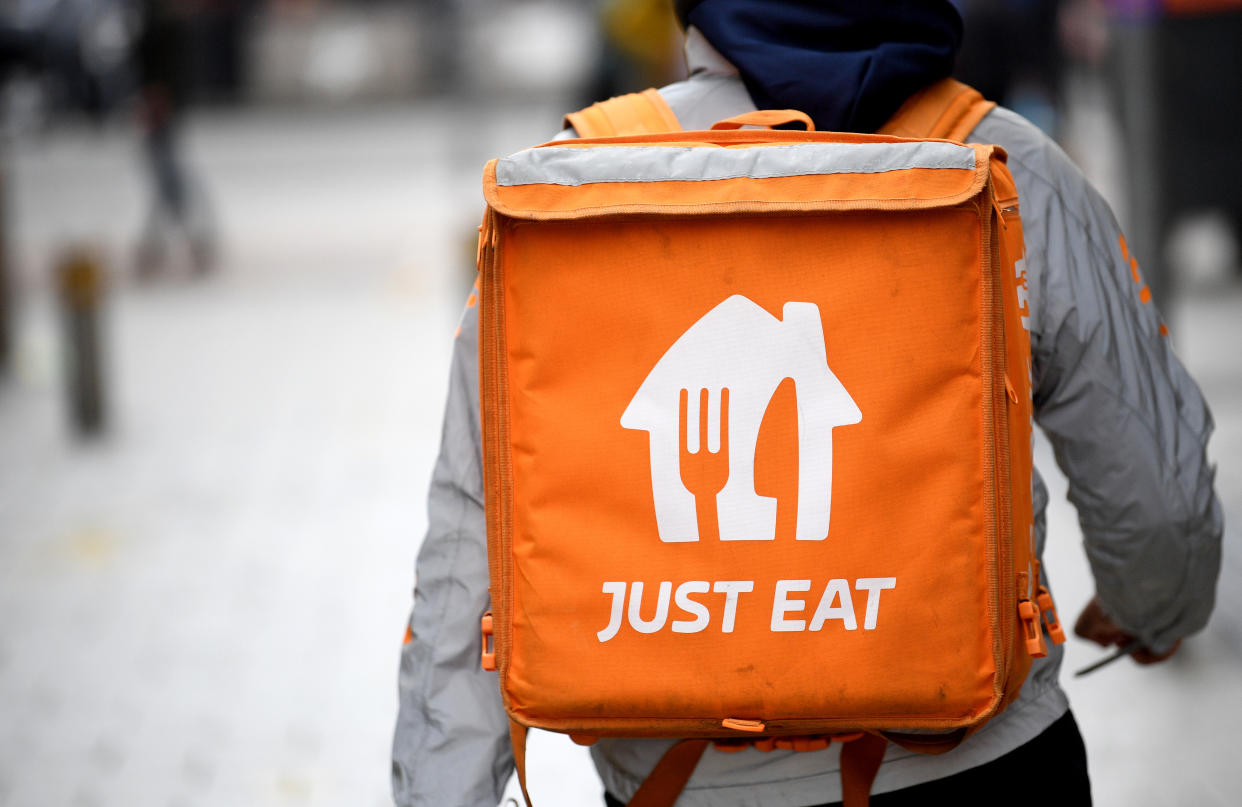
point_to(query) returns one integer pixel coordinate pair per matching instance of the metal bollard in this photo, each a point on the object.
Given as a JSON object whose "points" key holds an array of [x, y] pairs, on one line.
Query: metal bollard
{"points": [[80, 280]]}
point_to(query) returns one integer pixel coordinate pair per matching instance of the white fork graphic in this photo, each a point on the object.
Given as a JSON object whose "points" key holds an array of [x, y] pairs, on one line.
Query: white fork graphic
{"points": [[704, 471]]}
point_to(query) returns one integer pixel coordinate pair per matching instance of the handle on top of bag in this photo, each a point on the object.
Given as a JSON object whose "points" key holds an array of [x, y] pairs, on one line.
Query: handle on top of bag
{"points": [[769, 118]]}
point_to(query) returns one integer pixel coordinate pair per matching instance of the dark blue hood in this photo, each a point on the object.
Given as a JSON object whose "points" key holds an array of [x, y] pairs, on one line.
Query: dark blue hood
{"points": [[849, 64]]}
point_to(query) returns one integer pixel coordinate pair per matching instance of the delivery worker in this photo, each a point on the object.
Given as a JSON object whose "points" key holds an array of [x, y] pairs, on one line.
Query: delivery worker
{"points": [[1128, 426]]}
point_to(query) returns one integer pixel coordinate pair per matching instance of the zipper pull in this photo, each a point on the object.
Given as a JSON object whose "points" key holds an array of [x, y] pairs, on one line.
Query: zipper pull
{"points": [[1000, 214], [487, 659], [1009, 390], [1028, 613]]}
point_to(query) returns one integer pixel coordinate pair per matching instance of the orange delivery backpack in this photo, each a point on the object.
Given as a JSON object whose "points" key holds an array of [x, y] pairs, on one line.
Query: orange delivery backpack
{"points": [[756, 421]]}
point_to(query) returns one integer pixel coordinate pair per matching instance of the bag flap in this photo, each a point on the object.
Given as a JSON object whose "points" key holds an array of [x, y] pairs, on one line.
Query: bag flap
{"points": [[711, 173]]}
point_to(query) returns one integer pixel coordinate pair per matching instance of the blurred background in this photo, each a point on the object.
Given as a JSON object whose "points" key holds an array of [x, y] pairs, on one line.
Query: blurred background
{"points": [[235, 242]]}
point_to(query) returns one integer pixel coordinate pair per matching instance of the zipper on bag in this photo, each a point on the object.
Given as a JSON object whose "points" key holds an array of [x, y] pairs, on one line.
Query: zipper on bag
{"points": [[494, 394]]}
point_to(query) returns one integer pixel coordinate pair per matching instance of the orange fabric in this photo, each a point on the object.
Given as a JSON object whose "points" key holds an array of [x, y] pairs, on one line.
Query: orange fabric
{"points": [[579, 510], [766, 117], [947, 109], [586, 289], [940, 459], [860, 762], [517, 738], [634, 114], [1016, 346], [665, 120], [565, 420], [590, 122], [899, 188]]}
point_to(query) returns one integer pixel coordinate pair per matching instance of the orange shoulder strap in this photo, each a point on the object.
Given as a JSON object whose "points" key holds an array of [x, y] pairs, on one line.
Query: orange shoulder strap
{"points": [[661, 787], [948, 109], [860, 762], [637, 113], [517, 737]]}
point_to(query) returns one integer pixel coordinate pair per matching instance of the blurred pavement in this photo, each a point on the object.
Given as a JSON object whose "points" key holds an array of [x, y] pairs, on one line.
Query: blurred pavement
{"points": [[205, 607]]}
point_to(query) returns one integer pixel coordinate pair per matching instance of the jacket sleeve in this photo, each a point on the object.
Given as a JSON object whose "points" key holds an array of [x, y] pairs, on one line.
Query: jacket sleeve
{"points": [[1128, 425], [452, 738]]}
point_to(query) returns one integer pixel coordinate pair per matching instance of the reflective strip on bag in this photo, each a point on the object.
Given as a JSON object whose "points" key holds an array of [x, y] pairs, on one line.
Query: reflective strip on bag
{"points": [[573, 166]]}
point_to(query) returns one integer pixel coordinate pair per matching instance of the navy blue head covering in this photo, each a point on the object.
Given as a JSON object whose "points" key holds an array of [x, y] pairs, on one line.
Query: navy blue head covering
{"points": [[849, 64]]}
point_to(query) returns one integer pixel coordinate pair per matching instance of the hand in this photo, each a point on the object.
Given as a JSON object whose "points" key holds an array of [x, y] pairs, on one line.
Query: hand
{"points": [[1093, 624]]}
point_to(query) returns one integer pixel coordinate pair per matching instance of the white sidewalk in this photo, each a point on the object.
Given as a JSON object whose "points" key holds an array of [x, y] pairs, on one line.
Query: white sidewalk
{"points": [[205, 608]]}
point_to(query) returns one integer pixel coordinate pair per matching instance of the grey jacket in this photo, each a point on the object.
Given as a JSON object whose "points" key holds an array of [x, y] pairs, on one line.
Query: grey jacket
{"points": [[1129, 429]]}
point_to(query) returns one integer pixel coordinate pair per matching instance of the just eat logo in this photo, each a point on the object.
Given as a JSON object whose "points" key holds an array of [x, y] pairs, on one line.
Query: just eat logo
{"points": [[702, 405]]}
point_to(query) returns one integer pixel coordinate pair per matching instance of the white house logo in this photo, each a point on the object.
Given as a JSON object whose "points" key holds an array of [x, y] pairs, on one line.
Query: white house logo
{"points": [[703, 403]]}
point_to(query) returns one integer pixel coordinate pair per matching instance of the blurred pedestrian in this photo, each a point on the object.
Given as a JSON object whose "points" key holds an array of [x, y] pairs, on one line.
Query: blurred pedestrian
{"points": [[179, 213]]}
